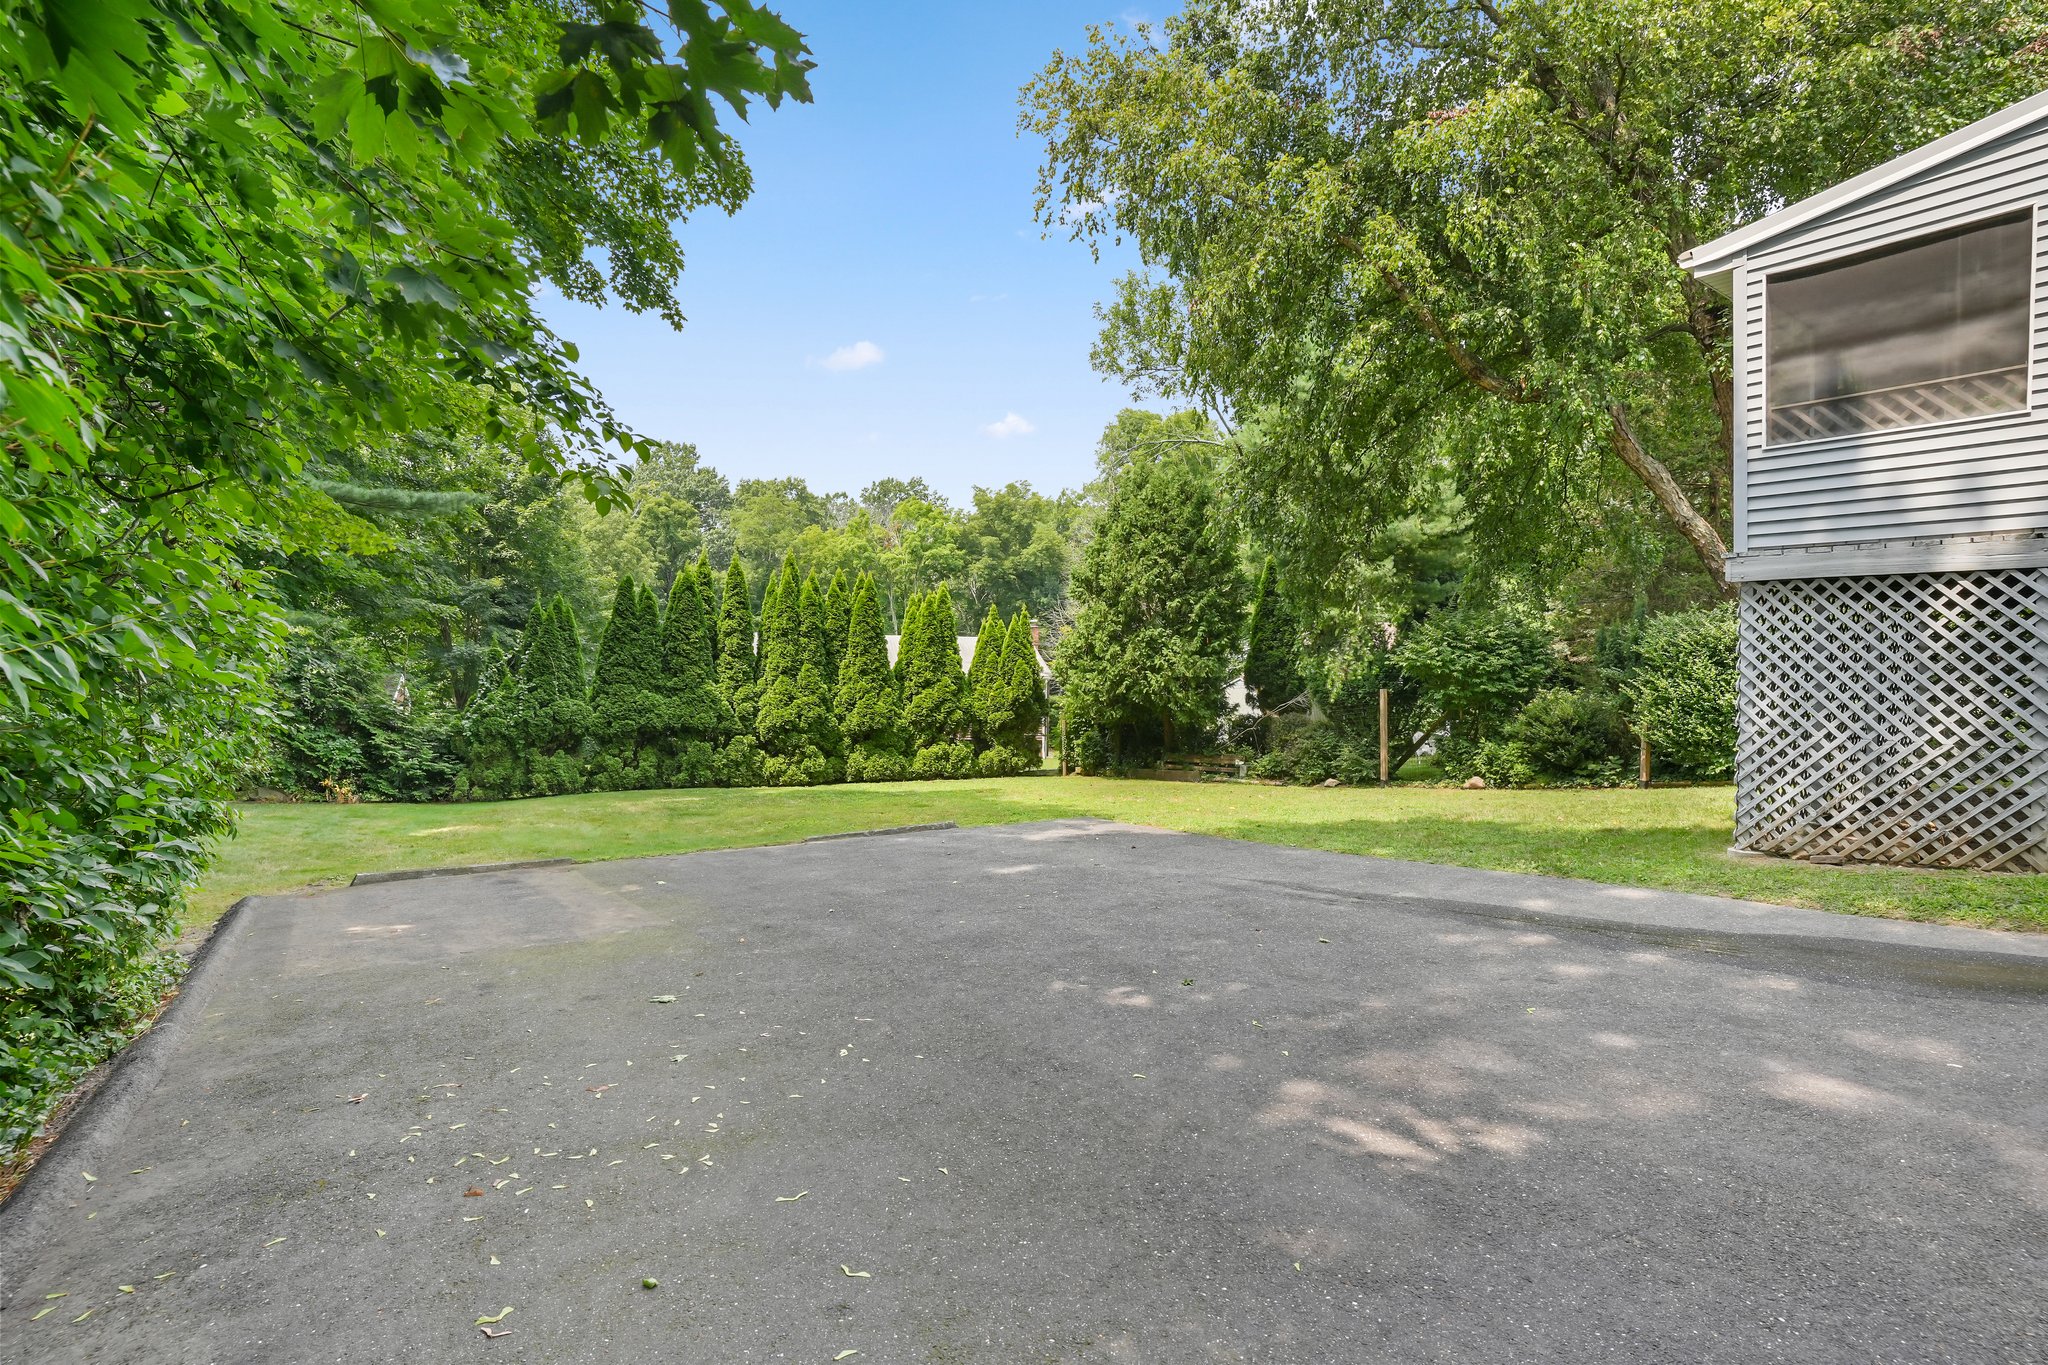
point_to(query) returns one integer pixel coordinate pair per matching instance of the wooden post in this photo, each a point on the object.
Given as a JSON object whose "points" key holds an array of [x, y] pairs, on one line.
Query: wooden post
{"points": [[1063, 743], [1643, 762], [1383, 736]]}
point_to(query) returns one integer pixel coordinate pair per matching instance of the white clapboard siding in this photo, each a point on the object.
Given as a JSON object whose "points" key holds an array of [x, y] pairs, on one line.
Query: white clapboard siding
{"points": [[1985, 474]]}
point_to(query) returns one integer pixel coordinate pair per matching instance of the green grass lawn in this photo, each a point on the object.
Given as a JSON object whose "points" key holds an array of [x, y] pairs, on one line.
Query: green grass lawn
{"points": [[1675, 839]]}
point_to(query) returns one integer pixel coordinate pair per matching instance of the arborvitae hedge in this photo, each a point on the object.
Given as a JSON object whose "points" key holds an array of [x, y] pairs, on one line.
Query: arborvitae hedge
{"points": [[707, 588], [738, 673], [674, 702], [626, 694], [989, 643], [838, 611], [695, 716], [868, 706], [560, 716], [934, 689], [793, 724], [1023, 692]]}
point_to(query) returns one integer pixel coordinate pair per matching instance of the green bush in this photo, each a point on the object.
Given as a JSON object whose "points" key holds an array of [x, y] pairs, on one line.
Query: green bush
{"points": [[739, 763], [876, 765], [954, 758], [1310, 754], [1476, 667], [1088, 748], [1682, 691], [1564, 735], [1000, 762]]}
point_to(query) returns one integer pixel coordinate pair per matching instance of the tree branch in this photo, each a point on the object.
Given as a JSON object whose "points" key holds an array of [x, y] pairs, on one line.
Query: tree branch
{"points": [[1705, 540]]}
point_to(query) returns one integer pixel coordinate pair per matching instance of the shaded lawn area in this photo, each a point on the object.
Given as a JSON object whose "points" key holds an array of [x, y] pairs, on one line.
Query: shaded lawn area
{"points": [[1673, 839]]}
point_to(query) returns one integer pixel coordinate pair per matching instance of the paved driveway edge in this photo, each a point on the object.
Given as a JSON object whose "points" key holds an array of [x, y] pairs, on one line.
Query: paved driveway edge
{"points": [[97, 1124]]}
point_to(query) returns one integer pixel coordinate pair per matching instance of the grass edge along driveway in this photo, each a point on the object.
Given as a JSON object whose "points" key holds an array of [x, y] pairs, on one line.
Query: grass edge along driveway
{"points": [[1673, 839]]}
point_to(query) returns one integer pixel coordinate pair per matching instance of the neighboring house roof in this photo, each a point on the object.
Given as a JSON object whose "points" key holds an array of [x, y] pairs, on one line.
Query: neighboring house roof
{"points": [[966, 644], [1715, 258]]}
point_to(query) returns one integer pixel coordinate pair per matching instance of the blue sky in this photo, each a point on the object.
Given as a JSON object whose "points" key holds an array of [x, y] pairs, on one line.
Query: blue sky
{"points": [[890, 219]]}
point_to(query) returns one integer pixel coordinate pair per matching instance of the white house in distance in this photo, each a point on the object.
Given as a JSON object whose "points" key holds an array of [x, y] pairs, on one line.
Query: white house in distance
{"points": [[1891, 507]]}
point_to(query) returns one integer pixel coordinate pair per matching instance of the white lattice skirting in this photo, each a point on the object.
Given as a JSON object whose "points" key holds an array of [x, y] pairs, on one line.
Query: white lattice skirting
{"points": [[1896, 719]]}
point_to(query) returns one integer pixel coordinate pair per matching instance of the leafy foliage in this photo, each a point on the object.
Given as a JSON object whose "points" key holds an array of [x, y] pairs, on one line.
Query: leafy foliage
{"points": [[1560, 735], [1476, 667], [241, 236], [343, 725], [1682, 691], [1419, 240]]}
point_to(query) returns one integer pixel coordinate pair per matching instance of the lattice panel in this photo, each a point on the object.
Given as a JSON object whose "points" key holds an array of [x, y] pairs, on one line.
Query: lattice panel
{"points": [[1901, 718], [1939, 400]]}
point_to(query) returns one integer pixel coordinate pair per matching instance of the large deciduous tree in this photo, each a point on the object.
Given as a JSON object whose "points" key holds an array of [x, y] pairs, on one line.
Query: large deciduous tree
{"points": [[1409, 239]]}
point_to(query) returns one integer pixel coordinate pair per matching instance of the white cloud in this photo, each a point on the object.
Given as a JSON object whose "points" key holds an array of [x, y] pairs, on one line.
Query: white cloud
{"points": [[1076, 211], [1011, 425], [858, 356]]}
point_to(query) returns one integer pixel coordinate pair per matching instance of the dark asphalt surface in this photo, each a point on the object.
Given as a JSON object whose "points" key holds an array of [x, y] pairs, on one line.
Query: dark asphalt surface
{"points": [[1059, 1093]]}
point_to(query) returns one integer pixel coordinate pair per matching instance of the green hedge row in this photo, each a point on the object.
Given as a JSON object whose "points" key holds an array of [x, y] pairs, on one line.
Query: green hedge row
{"points": [[698, 691]]}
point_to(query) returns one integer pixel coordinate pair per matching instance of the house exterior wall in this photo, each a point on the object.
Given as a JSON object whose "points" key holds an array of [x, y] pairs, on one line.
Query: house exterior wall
{"points": [[1911, 486], [1892, 695]]}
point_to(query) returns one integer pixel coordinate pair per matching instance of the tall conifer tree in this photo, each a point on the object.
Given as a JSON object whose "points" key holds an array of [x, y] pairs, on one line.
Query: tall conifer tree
{"points": [[689, 675], [984, 673], [794, 722], [838, 611], [934, 689], [626, 692], [1022, 691], [737, 677], [707, 588], [867, 706]]}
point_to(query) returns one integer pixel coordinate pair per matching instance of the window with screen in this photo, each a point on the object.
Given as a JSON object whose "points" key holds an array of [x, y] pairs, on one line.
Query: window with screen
{"points": [[1932, 331]]}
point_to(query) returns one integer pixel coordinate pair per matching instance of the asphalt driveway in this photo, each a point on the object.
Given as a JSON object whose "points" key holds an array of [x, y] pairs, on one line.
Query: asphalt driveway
{"points": [[1062, 1093]]}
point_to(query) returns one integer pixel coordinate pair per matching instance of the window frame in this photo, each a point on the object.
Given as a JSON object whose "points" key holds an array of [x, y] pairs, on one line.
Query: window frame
{"points": [[2030, 213]]}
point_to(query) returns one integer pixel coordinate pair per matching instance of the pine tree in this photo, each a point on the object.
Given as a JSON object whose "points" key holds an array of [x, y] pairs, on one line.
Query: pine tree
{"points": [[867, 706], [838, 611], [707, 588], [695, 714], [983, 673], [764, 642], [934, 690], [794, 723], [556, 709], [1023, 692], [816, 668], [626, 702], [737, 677], [1272, 673]]}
